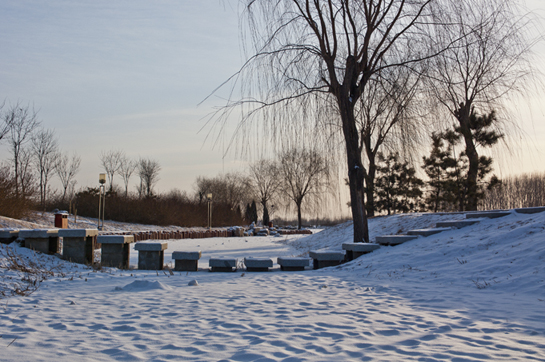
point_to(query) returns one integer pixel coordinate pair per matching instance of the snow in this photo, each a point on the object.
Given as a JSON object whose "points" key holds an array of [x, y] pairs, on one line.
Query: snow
{"points": [[470, 294]]}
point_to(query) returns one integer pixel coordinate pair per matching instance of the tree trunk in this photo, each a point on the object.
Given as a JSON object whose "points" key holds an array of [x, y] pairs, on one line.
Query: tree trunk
{"points": [[473, 158], [299, 222], [356, 171], [370, 187]]}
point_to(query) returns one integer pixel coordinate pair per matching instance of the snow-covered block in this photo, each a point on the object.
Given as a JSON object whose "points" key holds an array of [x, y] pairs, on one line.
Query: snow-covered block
{"points": [[456, 223], [186, 260], [394, 239], [325, 258], [355, 250], [530, 210], [151, 246], [77, 233], [292, 263], [258, 264], [115, 239], [487, 214], [428, 232], [223, 264], [151, 255], [42, 240], [8, 236], [115, 250], [78, 244], [38, 233]]}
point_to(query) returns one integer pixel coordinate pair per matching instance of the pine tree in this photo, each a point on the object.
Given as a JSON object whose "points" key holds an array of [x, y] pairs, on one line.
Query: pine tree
{"points": [[397, 186], [266, 218], [253, 212], [450, 185]]}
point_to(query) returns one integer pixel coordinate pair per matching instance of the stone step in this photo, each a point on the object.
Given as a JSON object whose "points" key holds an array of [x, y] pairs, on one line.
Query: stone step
{"points": [[223, 264], [394, 239], [355, 250], [456, 223], [428, 232], [292, 263], [325, 258], [530, 210], [487, 214], [258, 264]]}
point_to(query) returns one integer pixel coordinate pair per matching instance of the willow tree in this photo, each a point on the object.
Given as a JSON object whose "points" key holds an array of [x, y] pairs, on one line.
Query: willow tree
{"points": [[311, 55], [489, 62]]}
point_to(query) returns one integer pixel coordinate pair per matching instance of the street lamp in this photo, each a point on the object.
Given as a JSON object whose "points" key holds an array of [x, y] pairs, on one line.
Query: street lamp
{"points": [[209, 199], [101, 200]]}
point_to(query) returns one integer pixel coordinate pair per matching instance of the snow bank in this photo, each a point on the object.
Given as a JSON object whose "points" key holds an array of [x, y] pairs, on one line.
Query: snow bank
{"points": [[472, 294]]}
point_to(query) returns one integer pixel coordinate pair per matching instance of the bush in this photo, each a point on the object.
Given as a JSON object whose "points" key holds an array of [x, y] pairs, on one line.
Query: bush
{"points": [[174, 208], [11, 205]]}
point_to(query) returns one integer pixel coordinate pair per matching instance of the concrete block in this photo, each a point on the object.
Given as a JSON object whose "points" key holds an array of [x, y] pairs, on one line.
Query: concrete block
{"points": [[487, 214], [258, 264], [153, 246], [223, 264], [530, 210], [458, 224], [151, 256], [115, 255], [77, 233], [186, 255], [325, 258], [428, 232], [38, 233], [186, 260], [79, 249], [7, 236], [292, 263], [42, 240], [394, 239], [115, 239], [355, 250]]}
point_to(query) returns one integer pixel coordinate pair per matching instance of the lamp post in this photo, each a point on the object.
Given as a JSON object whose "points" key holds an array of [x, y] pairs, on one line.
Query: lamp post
{"points": [[209, 199], [101, 200]]}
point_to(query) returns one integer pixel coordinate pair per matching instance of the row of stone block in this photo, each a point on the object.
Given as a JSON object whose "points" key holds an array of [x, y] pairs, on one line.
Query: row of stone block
{"points": [[78, 244]]}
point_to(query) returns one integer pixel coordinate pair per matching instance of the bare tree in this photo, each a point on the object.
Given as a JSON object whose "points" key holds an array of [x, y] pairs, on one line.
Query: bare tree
{"points": [[314, 53], [148, 170], [26, 178], [489, 61], [126, 169], [265, 181], [45, 151], [303, 172], [67, 168], [387, 118], [231, 189], [111, 161], [4, 123], [22, 121]]}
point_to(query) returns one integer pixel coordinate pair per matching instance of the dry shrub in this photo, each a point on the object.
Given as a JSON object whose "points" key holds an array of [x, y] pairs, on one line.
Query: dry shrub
{"points": [[11, 205], [173, 208], [22, 275]]}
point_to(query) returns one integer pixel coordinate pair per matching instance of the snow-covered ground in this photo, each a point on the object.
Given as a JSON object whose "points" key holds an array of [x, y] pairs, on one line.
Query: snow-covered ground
{"points": [[472, 294]]}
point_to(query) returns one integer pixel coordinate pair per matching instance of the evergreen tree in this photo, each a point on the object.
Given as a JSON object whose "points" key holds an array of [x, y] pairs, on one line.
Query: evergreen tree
{"points": [[266, 218], [397, 186], [253, 212], [443, 172], [450, 184]]}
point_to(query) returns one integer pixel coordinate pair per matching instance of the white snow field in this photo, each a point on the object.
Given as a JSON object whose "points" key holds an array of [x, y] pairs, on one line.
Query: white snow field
{"points": [[472, 294]]}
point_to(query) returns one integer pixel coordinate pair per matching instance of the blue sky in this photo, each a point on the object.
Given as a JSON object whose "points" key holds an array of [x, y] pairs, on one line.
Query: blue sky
{"points": [[128, 75], [122, 75]]}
